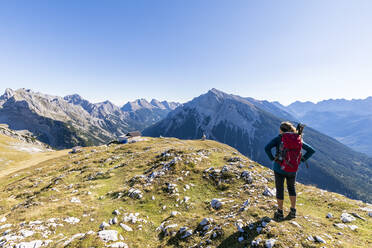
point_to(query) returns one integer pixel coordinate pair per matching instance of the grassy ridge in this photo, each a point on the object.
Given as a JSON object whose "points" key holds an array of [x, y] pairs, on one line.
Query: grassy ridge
{"points": [[100, 177]]}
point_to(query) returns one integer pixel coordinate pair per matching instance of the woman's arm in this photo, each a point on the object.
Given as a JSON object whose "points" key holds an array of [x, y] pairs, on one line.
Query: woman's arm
{"points": [[273, 143], [309, 152]]}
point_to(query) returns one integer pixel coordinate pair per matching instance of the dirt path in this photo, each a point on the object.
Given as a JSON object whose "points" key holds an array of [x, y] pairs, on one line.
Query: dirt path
{"points": [[35, 159]]}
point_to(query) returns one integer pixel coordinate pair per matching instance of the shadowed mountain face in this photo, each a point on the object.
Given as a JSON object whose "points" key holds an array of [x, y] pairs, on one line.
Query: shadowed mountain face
{"points": [[69, 121], [241, 123], [348, 121]]}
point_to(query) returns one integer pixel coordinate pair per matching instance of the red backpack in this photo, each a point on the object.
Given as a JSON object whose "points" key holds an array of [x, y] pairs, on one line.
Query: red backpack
{"points": [[289, 152]]}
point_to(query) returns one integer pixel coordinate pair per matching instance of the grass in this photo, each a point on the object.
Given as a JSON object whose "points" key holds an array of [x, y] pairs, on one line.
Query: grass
{"points": [[44, 191]]}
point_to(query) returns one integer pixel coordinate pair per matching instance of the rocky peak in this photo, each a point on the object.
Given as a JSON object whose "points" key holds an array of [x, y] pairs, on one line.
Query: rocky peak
{"points": [[157, 104]]}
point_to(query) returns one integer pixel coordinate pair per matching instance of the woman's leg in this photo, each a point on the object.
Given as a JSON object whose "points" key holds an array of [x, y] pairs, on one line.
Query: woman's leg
{"points": [[279, 184], [291, 186]]}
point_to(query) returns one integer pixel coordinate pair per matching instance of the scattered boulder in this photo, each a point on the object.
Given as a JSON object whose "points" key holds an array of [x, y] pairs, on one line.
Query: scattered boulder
{"points": [[103, 225], [126, 227], [295, 224], [353, 227], [340, 225], [347, 218], [358, 216], [206, 221], [329, 216], [108, 235], [216, 203], [174, 213], [135, 193], [26, 233], [270, 243], [72, 220], [185, 232], [269, 192], [119, 245], [31, 244], [246, 175], [256, 242], [319, 239]]}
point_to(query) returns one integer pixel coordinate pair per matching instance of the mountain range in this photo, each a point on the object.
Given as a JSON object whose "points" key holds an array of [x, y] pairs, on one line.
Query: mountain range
{"points": [[348, 121], [245, 125], [64, 122]]}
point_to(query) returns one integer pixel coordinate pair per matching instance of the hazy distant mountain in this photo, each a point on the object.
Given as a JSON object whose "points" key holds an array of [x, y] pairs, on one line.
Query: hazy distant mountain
{"points": [[241, 123], [72, 120], [349, 121]]}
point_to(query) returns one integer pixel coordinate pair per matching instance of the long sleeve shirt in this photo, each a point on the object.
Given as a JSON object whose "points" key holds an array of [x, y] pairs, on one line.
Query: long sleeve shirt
{"points": [[275, 143]]}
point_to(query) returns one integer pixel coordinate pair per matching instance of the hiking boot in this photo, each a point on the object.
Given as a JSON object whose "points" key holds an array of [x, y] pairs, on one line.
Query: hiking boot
{"points": [[292, 213], [278, 215]]}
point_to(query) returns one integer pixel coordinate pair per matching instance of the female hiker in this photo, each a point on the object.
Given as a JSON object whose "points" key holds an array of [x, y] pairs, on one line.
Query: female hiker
{"points": [[288, 156]]}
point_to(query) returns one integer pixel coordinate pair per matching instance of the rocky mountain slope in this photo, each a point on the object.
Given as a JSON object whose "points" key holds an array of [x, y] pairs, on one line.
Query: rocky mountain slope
{"points": [[69, 121], [24, 136], [242, 124], [168, 193], [348, 121]]}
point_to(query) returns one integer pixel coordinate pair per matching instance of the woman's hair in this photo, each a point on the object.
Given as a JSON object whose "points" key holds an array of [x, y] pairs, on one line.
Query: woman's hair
{"points": [[286, 126]]}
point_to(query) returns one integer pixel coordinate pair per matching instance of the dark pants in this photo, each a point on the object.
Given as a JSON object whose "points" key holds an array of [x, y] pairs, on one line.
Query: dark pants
{"points": [[279, 184]]}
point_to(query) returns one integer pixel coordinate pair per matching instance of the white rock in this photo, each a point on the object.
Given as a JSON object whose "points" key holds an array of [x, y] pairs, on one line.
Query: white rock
{"points": [[319, 239], [75, 200], [239, 226], [2, 220], [36, 222], [26, 233], [206, 221], [108, 235], [116, 212], [241, 239], [346, 218], [295, 224], [174, 213], [216, 203], [5, 226], [126, 227], [31, 244], [269, 192], [270, 243], [103, 225], [72, 220], [186, 199], [256, 242], [340, 225], [353, 227], [329, 216], [187, 234], [119, 245]]}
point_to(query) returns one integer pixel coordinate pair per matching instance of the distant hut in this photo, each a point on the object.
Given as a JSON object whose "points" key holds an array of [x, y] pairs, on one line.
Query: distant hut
{"points": [[133, 134], [129, 136]]}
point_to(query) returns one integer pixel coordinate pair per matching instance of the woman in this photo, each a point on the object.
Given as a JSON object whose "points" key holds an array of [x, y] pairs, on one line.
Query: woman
{"points": [[281, 174]]}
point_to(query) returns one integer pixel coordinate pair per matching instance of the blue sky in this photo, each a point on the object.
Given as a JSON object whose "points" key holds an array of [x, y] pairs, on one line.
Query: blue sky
{"points": [[179, 49]]}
